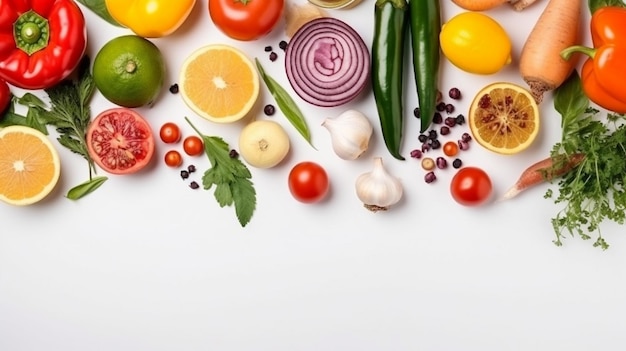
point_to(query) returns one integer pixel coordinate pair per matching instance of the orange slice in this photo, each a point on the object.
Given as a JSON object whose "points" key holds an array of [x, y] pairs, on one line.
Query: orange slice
{"points": [[29, 165], [219, 83], [504, 118]]}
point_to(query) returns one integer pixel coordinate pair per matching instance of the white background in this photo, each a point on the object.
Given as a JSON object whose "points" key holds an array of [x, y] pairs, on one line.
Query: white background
{"points": [[145, 263]]}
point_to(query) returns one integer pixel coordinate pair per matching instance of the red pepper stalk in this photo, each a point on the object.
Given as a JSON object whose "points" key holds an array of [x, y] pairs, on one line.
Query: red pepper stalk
{"points": [[604, 73], [41, 41]]}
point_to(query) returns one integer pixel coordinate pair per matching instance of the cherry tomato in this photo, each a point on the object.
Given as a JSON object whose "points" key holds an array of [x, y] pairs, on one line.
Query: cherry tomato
{"points": [[308, 182], [193, 145], [450, 148], [471, 186], [246, 19], [169, 133], [173, 158]]}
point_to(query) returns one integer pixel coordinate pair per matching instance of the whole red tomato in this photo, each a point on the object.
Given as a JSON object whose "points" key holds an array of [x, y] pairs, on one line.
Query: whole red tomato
{"points": [[246, 19], [470, 186], [308, 182], [193, 145]]}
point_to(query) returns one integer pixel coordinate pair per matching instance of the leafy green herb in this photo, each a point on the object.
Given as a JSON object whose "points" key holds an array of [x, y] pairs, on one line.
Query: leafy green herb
{"points": [[99, 8], [70, 114], [70, 111], [85, 188], [595, 190], [33, 117], [230, 176], [285, 103], [596, 4]]}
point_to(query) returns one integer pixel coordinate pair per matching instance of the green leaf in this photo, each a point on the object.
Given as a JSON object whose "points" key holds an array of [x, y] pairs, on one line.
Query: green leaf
{"points": [[230, 176], [86, 188], [34, 120], [243, 191], [570, 100], [99, 8], [223, 194], [286, 104], [30, 100], [596, 4], [11, 118]]}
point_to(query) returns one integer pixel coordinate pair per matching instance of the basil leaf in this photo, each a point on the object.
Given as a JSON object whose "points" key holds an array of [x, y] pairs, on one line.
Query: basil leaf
{"points": [[570, 99], [286, 104], [34, 120], [99, 8], [30, 99], [11, 118], [596, 4], [85, 188]]}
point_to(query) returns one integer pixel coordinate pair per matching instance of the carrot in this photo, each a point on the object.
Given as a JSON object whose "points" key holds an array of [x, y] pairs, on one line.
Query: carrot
{"points": [[541, 64], [483, 5], [542, 171]]}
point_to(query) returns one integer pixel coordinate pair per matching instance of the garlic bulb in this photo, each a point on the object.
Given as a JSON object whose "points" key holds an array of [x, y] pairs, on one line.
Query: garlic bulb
{"points": [[350, 133], [378, 190]]}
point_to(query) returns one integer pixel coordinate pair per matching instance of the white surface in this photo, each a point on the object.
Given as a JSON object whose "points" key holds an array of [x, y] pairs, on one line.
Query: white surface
{"points": [[145, 263]]}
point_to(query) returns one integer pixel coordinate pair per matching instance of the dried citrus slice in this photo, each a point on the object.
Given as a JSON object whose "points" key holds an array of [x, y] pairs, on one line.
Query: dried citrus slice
{"points": [[504, 118], [219, 83], [29, 165]]}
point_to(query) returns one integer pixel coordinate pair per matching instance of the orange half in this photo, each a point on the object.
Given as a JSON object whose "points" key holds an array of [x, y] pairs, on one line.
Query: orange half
{"points": [[504, 118], [29, 165], [219, 83]]}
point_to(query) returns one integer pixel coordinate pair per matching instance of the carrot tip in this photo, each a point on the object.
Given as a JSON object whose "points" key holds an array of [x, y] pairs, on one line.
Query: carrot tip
{"points": [[511, 193]]}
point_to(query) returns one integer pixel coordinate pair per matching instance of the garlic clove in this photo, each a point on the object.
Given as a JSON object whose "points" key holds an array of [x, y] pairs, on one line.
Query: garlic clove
{"points": [[378, 189], [350, 134]]}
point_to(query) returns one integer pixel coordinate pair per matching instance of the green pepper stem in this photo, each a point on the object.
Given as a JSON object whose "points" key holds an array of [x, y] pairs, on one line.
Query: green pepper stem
{"points": [[568, 52], [31, 32]]}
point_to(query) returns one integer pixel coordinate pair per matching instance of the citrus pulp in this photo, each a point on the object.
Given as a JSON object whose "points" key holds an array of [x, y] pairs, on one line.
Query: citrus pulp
{"points": [[219, 83], [29, 165], [504, 118], [129, 71]]}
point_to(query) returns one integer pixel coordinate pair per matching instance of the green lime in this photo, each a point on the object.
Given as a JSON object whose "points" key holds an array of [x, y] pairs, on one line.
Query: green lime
{"points": [[129, 71]]}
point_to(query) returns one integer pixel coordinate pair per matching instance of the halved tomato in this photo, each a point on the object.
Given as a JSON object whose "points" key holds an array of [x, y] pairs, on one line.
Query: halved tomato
{"points": [[120, 141]]}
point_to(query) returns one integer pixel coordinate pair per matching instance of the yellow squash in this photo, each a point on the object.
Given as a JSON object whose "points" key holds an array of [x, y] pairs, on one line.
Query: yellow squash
{"points": [[150, 18]]}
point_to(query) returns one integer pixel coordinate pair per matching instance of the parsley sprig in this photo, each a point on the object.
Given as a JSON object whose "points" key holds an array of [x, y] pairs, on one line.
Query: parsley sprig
{"points": [[595, 190], [70, 114], [230, 177]]}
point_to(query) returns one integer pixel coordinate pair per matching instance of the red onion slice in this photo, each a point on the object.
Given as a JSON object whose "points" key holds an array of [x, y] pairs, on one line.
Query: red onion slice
{"points": [[327, 62]]}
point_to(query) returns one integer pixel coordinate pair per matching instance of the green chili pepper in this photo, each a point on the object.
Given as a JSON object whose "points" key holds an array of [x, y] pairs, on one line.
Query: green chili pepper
{"points": [[390, 28], [285, 103], [425, 23]]}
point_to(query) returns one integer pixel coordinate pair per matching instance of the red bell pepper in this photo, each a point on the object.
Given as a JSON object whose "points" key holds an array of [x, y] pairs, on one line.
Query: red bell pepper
{"points": [[41, 41], [5, 97], [604, 72]]}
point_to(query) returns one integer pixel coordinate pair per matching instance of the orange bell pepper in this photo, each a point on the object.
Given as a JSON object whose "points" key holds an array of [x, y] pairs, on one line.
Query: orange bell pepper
{"points": [[604, 72]]}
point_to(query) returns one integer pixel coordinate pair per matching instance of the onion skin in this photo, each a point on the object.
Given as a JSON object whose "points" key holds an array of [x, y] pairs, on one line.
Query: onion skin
{"points": [[327, 62]]}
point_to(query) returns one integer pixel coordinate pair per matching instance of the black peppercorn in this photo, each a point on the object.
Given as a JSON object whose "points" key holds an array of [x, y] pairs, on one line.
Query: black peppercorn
{"points": [[174, 88], [282, 45], [194, 185], [269, 109], [184, 174], [233, 153], [273, 56]]}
